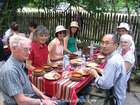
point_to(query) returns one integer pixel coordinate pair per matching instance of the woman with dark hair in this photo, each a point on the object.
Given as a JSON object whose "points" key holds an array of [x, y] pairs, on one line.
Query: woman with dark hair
{"points": [[70, 42], [14, 28], [39, 54], [32, 27], [56, 47]]}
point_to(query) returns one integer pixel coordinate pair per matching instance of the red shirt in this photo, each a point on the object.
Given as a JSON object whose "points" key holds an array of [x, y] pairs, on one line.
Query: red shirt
{"points": [[39, 55]]}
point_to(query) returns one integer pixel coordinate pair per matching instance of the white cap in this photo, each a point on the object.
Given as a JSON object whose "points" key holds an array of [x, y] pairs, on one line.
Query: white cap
{"points": [[124, 25]]}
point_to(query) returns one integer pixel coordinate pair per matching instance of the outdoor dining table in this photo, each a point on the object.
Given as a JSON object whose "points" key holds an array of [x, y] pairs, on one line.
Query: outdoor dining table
{"points": [[64, 89]]}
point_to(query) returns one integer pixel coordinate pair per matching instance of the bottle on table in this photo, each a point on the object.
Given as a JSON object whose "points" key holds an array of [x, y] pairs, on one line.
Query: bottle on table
{"points": [[79, 53], [64, 62], [83, 63], [91, 50], [67, 63]]}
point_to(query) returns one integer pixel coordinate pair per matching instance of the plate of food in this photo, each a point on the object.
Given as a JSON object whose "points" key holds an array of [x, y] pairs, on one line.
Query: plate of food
{"points": [[76, 53], [101, 56], [52, 76], [92, 64], [83, 72], [65, 74], [75, 61]]}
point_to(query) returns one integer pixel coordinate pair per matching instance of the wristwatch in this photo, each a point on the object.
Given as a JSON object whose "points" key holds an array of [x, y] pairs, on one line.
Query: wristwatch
{"points": [[41, 102]]}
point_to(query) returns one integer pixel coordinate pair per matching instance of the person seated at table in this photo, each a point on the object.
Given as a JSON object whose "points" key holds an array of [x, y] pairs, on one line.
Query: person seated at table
{"points": [[32, 27], [70, 41], [114, 73], [15, 85], [39, 55], [56, 47], [2, 56], [122, 29], [129, 58], [7, 33], [14, 28]]}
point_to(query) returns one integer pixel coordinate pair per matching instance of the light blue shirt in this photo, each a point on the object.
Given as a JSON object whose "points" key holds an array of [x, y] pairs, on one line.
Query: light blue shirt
{"points": [[13, 81], [114, 74]]}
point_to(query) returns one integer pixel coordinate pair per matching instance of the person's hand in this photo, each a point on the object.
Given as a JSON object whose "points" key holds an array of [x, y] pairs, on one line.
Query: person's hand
{"points": [[93, 72], [49, 102], [46, 97]]}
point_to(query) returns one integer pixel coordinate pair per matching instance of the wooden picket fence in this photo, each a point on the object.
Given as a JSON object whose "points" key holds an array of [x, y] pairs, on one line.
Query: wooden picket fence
{"points": [[89, 29]]}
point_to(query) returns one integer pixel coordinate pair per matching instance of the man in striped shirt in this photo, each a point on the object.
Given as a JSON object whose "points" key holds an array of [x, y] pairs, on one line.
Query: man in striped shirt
{"points": [[114, 73]]}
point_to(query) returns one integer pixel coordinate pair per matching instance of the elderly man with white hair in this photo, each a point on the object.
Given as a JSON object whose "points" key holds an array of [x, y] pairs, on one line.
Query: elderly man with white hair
{"points": [[14, 83], [129, 58]]}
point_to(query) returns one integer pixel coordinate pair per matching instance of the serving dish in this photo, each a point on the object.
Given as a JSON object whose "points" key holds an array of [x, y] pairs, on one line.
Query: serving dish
{"points": [[52, 76]]}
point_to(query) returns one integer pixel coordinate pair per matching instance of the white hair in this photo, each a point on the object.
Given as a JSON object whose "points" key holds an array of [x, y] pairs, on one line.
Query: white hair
{"points": [[127, 37], [15, 40]]}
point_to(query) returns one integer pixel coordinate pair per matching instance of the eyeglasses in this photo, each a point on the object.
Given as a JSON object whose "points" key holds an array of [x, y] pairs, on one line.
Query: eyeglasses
{"points": [[26, 49], [62, 32], [106, 43], [125, 42]]}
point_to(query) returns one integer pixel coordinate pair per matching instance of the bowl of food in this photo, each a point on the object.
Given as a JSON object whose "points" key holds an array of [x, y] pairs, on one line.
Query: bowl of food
{"points": [[47, 68], [38, 70], [76, 76]]}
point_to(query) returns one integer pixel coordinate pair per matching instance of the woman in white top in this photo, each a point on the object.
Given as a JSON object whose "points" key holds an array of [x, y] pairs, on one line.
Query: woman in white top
{"points": [[127, 54], [122, 29], [56, 47]]}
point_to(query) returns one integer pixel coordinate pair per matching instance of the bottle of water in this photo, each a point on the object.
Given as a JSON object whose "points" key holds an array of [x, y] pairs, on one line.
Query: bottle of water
{"points": [[91, 50], [67, 63], [83, 63], [79, 53], [64, 62]]}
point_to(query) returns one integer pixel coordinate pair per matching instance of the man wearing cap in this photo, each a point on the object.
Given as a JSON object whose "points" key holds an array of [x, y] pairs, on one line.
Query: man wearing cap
{"points": [[122, 29], [56, 47]]}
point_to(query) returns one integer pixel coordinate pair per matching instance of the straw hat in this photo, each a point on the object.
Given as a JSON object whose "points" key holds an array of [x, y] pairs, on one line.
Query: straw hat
{"points": [[60, 28], [124, 25], [74, 24]]}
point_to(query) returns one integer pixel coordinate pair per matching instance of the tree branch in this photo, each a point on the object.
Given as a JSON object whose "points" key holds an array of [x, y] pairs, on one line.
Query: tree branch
{"points": [[75, 3]]}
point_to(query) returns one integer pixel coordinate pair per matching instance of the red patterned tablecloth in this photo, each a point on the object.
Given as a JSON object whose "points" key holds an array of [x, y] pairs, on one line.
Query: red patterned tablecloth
{"points": [[63, 89]]}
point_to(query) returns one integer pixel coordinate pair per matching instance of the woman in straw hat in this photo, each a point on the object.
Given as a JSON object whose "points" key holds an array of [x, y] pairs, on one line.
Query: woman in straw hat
{"points": [[56, 47], [39, 55], [70, 42], [127, 54], [122, 29]]}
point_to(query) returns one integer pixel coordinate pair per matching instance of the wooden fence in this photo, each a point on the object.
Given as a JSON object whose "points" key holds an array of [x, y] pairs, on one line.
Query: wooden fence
{"points": [[88, 26]]}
